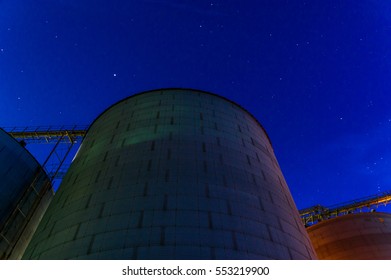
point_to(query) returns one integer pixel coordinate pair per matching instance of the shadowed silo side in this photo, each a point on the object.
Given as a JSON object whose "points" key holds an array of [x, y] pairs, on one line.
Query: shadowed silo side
{"points": [[173, 174], [363, 236], [25, 192]]}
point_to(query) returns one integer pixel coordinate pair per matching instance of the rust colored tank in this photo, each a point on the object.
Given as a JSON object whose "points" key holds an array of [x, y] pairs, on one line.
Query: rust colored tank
{"points": [[362, 236]]}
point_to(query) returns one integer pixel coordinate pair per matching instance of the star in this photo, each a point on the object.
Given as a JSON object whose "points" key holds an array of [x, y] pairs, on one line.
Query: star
{"points": [[114, 75]]}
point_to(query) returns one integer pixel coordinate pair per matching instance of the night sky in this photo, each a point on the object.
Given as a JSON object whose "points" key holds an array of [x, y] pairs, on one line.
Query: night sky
{"points": [[316, 74]]}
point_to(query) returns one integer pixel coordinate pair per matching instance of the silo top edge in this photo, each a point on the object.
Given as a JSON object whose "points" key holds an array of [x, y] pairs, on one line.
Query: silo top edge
{"points": [[186, 89], [349, 217]]}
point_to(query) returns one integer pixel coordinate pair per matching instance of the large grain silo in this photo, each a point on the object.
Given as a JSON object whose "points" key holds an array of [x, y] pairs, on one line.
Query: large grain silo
{"points": [[361, 236], [25, 192], [173, 174]]}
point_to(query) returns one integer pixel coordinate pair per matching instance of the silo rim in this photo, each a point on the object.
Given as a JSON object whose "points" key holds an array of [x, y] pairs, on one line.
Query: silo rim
{"points": [[187, 89], [346, 217]]}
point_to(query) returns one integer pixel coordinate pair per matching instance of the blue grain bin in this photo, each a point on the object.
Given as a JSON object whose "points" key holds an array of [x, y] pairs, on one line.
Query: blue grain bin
{"points": [[25, 192]]}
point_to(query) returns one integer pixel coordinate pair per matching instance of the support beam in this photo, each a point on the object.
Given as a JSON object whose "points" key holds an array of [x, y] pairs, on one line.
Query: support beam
{"points": [[312, 215], [59, 136], [47, 134]]}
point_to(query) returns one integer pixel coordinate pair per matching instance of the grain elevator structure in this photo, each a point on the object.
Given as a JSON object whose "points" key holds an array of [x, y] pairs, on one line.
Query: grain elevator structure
{"points": [[173, 174], [25, 193], [356, 236]]}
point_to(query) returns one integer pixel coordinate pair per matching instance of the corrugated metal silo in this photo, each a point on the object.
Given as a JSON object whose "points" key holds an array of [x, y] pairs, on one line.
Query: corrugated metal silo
{"points": [[25, 192], [173, 174], [362, 236]]}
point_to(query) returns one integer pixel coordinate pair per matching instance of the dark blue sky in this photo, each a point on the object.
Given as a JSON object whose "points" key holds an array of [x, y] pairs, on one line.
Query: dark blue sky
{"points": [[316, 74]]}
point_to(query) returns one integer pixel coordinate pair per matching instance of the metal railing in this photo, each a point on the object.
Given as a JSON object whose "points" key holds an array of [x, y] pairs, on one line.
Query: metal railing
{"points": [[317, 213], [47, 134]]}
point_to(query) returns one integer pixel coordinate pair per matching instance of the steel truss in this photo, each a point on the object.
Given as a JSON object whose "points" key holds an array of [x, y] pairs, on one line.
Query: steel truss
{"points": [[14, 226], [63, 138], [312, 215]]}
